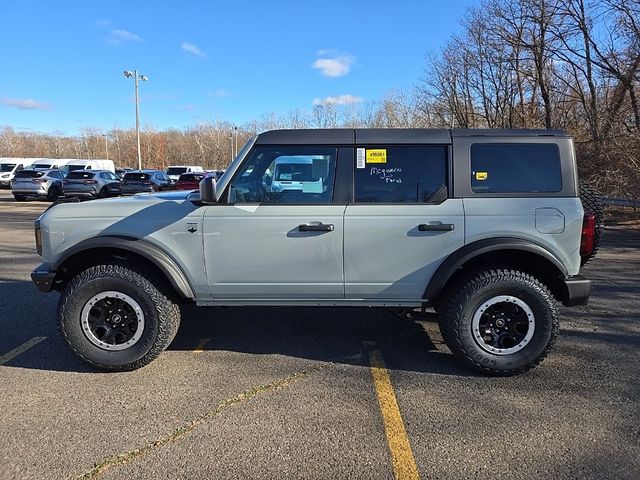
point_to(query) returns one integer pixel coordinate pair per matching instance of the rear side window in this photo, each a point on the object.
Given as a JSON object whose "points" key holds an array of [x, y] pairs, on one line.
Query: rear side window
{"points": [[515, 168], [80, 175], [399, 174]]}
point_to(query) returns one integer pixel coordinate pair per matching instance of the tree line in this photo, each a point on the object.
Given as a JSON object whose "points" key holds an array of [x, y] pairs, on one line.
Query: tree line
{"points": [[569, 64]]}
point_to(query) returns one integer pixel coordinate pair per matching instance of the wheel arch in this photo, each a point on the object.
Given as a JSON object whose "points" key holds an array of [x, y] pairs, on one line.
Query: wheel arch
{"points": [[504, 252], [98, 249]]}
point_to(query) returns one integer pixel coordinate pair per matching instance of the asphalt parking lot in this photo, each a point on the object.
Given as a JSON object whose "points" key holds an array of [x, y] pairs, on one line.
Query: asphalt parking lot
{"points": [[307, 393]]}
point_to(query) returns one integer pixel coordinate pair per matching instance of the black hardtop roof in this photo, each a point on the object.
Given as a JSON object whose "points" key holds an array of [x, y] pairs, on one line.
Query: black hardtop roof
{"points": [[351, 136]]}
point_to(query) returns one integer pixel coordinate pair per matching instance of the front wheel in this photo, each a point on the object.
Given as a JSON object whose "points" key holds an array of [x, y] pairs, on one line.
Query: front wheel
{"points": [[500, 322], [117, 318]]}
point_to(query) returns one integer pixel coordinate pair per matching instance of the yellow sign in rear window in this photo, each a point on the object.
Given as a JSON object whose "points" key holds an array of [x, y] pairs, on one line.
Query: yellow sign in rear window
{"points": [[481, 175], [377, 155]]}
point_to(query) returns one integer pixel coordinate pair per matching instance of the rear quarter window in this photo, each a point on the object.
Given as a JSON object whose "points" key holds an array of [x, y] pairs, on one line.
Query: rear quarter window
{"points": [[515, 168]]}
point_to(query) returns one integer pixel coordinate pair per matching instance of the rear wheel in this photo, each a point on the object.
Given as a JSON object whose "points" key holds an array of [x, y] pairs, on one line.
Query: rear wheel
{"points": [[500, 322], [53, 194], [104, 193], [117, 318], [592, 205]]}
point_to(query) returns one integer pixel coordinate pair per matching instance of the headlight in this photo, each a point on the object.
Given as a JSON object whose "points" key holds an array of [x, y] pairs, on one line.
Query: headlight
{"points": [[38, 237]]}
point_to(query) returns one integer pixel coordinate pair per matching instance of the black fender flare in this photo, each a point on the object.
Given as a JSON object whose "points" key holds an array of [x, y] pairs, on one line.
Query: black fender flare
{"points": [[148, 251], [461, 256]]}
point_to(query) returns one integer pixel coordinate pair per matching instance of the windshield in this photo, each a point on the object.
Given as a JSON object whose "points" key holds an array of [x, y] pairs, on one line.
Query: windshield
{"points": [[136, 176], [79, 174], [176, 170], [29, 174], [42, 165], [297, 172], [7, 167], [75, 167], [191, 177]]}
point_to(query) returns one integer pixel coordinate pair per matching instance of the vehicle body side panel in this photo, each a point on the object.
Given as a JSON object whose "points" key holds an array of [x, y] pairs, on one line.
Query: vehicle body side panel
{"points": [[516, 217], [387, 257]]}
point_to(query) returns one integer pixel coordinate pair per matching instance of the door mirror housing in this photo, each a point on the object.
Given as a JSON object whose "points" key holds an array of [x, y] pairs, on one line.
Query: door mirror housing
{"points": [[208, 191]]}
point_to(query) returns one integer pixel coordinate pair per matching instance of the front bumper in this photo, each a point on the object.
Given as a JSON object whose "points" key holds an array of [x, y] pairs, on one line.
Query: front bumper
{"points": [[43, 278], [577, 291]]}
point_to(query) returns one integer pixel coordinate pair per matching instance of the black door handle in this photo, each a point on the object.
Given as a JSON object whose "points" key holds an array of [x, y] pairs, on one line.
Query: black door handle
{"points": [[316, 227], [436, 227]]}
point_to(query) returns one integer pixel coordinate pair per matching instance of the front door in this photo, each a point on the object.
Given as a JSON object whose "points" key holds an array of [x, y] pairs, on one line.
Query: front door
{"points": [[273, 243], [401, 225]]}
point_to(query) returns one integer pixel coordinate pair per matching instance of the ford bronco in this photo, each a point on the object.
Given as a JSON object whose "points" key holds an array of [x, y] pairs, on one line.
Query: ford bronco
{"points": [[485, 226]]}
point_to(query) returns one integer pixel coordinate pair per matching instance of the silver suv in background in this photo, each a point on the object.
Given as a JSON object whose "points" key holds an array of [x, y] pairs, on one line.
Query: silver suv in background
{"points": [[91, 183], [144, 181], [37, 183]]}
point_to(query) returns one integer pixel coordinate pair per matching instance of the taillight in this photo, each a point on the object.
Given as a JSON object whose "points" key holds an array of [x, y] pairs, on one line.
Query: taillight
{"points": [[147, 182], [90, 182], [38, 237], [38, 180], [587, 242]]}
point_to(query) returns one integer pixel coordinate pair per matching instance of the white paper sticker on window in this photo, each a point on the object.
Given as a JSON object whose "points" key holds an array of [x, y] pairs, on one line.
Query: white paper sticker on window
{"points": [[360, 158]]}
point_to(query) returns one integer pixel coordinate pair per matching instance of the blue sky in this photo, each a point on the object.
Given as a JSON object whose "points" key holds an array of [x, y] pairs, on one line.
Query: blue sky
{"points": [[62, 62]]}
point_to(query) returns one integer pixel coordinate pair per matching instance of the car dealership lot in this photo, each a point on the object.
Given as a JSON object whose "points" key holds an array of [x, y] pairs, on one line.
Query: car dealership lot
{"points": [[289, 392]]}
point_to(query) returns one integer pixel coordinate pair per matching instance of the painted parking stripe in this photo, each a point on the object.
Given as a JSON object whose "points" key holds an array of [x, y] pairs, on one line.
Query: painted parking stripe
{"points": [[201, 344], [404, 463], [21, 349]]}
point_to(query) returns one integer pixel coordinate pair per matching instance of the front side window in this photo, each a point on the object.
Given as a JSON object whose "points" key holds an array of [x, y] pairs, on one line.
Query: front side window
{"points": [[286, 175], [515, 168], [399, 174]]}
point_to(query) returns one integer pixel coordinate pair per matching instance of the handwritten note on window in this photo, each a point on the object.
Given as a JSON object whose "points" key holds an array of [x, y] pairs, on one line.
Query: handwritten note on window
{"points": [[388, 175]]}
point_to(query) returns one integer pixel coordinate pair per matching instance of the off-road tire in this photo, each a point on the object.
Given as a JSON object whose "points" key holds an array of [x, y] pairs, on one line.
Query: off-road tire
{"points": [[161, 312], [461, 300], [53, 193], [592, 204], [20, 198]]}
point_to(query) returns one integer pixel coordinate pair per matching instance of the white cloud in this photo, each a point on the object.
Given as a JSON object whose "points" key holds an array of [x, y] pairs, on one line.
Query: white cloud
{"points": [[118, 37], [193, 49], [219, 93], [24, 103], [332, 64], [346, 99]]}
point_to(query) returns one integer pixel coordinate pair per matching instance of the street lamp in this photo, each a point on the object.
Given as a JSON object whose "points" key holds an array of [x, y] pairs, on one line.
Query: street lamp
{"points": [[137, 77], [106, 145]]}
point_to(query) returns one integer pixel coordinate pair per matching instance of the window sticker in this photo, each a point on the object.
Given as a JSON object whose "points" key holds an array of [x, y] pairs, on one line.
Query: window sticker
{"points": [[481, 175], [378, 155], [360, 158]]}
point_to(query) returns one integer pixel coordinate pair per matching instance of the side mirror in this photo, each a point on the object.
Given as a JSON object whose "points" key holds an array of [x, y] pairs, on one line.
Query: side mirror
{"points": [[208, 193]]}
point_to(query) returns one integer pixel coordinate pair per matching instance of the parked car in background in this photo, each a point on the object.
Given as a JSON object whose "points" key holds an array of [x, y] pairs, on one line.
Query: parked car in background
{"points": [[91, 183], [217, 173], [9, 167], [37, 183], [191, 181], [141, 181], [120, 172], [174, 171], [95, 164]]}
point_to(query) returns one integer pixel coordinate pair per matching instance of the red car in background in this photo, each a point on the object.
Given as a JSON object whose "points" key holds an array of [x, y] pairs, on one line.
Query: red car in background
{"points": [[191, 181]]}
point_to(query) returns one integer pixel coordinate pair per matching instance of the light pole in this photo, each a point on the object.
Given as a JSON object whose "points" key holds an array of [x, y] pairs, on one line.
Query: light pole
{"points": [[136, 77], [106, 145], [235, 149]]}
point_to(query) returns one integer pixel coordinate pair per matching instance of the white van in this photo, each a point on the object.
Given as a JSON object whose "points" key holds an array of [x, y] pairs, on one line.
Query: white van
{"points": [[303, 173], [95, 164], [174, 171], [9, 167], [49, 163]]}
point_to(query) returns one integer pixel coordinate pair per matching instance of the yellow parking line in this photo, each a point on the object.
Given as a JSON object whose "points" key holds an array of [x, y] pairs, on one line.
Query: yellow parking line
{"points": [[201, 344], [404, 464], [21, 349]]}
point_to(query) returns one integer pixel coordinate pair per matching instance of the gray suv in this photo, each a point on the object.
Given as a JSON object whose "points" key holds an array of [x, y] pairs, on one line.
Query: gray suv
{"points": [[485, 226], [37, 183], [91, 183]]}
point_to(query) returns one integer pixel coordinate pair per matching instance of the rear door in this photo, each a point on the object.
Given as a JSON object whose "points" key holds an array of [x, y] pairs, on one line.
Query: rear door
{"points": [[402, 223]]}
